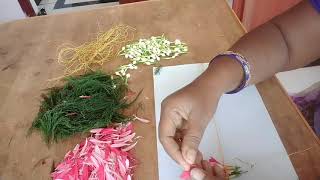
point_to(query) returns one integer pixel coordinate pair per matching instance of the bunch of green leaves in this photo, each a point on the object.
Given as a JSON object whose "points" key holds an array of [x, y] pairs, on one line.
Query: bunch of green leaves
{"points": [[85, 102], [236, 172]]}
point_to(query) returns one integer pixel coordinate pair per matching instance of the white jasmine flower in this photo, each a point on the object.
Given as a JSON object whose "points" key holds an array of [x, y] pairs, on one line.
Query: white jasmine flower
{"points": [[177, 42]]}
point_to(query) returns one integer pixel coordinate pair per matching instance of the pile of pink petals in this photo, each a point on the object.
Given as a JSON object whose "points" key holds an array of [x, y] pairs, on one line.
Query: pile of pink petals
{"points": [[103, 156], [186, 174]]}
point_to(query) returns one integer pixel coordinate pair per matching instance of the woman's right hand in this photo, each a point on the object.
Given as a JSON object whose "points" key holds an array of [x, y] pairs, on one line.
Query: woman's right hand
{"points": [[186, 113], [208, 172]]}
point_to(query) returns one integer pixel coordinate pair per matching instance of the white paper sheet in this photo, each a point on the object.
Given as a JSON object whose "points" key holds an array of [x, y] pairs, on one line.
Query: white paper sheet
{"points": [[298, 80], [245, 129]]}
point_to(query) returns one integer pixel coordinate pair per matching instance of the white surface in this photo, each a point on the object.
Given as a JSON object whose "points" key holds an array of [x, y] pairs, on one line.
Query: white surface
{"points": [[298, 80], [76, 1], [48, 2], [10, 10], [244, 126], [81, 8], [48, 5]]}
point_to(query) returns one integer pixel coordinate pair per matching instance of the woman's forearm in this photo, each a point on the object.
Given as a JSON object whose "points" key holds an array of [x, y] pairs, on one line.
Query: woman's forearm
{"points": [[288, 41]]}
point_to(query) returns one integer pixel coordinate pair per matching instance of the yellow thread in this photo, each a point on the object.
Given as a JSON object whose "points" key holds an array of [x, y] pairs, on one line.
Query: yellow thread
{"points": [[298, 152], [88, 55], [220, 149]]}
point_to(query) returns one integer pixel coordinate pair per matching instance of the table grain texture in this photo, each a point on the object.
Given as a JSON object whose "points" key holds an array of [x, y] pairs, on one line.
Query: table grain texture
{"points": [[28, 52]]}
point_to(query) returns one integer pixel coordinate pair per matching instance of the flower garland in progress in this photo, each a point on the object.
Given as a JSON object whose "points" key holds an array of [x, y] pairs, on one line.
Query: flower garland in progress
{"points": [[85, 102], [104, 155], [150, 51], [231, 171], [103, 48]]}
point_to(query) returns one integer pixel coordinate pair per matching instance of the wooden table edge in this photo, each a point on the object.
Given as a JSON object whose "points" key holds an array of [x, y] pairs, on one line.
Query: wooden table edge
{"points": [[302, 118]]}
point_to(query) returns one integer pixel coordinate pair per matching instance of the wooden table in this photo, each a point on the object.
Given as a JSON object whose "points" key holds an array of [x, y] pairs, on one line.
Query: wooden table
{"points": [[28, 60]]}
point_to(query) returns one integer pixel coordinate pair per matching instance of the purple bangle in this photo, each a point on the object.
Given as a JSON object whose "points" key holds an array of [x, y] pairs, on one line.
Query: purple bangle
{"points": [[316, 4], [245, 66]]}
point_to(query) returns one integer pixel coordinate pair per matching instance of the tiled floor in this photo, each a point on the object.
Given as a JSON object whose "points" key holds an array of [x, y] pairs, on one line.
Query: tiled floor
{"points": [[60, 6]]}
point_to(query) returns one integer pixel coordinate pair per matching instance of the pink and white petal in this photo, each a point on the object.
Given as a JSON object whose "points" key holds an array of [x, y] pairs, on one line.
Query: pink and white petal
{"points": [[129, 147]]}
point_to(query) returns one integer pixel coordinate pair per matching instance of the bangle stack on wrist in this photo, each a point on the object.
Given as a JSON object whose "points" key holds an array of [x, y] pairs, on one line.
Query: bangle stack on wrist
{"points": [[245, 66]]}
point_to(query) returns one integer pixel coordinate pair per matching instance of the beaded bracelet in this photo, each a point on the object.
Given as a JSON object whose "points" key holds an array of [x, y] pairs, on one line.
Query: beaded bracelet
{"points": [[245, 66]]}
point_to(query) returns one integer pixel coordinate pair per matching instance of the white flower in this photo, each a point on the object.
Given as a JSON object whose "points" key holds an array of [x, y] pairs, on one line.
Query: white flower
{"points": [[143, 59], [166, 42], [154, 49], [128, 75], [148, 51]]}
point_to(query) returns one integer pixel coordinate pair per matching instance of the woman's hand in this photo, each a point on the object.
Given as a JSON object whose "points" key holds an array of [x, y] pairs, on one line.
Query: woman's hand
{"points": [[186, 113], [208, 172]]}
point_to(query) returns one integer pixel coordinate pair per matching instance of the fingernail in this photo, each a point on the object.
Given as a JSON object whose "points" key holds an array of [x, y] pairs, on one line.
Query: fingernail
{"points": [[191, 156], [197, 174], [186, 167], [213, 164]]}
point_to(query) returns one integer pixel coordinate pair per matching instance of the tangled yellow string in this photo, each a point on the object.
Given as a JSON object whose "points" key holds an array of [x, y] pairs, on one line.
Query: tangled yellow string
{"points": [[88, 55]]}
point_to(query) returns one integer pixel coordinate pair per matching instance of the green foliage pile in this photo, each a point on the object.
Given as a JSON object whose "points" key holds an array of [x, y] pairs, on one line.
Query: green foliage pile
{"points": [[85, 102]]}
